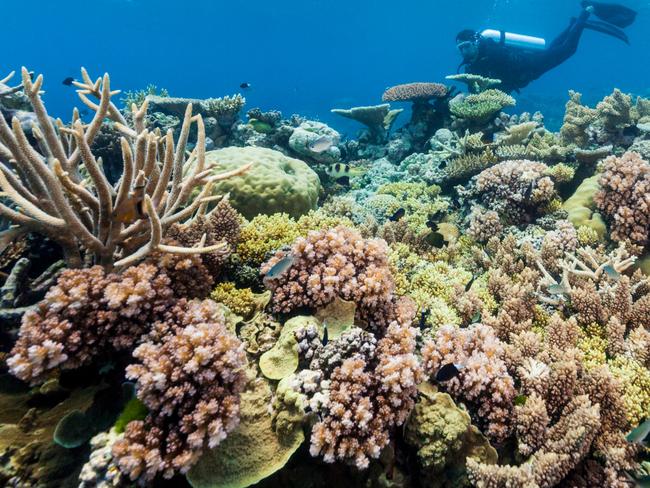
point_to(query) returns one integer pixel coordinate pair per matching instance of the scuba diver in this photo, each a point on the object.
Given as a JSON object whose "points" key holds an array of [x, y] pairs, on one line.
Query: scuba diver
{"points": [[517, 60]]}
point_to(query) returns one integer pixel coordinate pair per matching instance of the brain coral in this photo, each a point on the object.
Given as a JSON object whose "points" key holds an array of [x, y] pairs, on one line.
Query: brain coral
{"points": [[276, 183]]}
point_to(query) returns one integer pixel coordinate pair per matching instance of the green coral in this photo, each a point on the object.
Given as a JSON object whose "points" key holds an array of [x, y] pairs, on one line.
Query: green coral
{"points": [[138, 96], [577, 119], [251, 452], [580, 207], [282, 359], [635, 378], [480, 107], [419, 201], [561, 173], [615, 111], [275, 183], [469, 164], [228, 106], [444, 437], [241, 301], [265, 234], [475, 83]]}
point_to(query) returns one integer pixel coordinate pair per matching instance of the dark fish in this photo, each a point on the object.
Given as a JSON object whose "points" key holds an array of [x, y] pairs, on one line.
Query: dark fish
{"points": [[397, 215], [325, 335], [435, 239], [84, 112], [245, 86], [261, 127], [432, 220], [520, 400], [279, 268], [611, 272], [423, 318], [613, 13], [443, 165], [447, 372], [470, 283], [343, 180], [68, 81]]}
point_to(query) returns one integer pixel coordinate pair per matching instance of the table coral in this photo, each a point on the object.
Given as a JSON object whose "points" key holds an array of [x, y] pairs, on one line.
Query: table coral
{"points": [[189, 373]]}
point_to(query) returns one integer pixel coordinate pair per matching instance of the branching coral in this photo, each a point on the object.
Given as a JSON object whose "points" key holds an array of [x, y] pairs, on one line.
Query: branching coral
{"points": [[85, 315], [479, 108], [334, 263], [369, 392], [615, 111], [515, 189], [624, 197], [577, 119], [112, 225], [483, 378], [189, 374]]}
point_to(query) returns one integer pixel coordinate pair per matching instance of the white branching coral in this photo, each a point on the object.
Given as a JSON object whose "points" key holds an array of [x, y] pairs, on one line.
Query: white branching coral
{"points": [[58, 187]]}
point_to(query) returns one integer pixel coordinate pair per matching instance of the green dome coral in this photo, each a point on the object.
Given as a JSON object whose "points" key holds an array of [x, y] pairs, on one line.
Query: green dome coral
{"points": [[276, 183], [444, 437]]}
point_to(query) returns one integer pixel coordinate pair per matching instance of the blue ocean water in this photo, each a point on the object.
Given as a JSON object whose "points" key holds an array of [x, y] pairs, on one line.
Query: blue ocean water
{"points": [[302, 56]]}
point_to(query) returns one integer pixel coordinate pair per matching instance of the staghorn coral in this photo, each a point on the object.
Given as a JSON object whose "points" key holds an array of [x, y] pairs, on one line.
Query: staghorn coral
{"points": [[556, 243], [189, 374], [624, 197], [566, 444], [467, 165], [87, 216], [86, 314], [483, 378], [334, 263]]}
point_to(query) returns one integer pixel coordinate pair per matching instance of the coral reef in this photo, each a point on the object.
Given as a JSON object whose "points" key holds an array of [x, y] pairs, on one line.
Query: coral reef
{"points": [[189, 374]]}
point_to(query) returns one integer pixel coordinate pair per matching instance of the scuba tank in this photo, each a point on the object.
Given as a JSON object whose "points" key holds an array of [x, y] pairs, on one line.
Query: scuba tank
{"points": [[519, 41]]}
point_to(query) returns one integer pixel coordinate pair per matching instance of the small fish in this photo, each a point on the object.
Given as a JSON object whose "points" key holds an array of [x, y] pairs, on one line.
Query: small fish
{"points": [[84, 112], [447, 372], [476, 318], [325, 335], [470, 283], [423, 318], [611, 272], [443, 165], [341, 170], [435, 239], [320, 145], [396, 217], [557, 289], [132, 207], [520, 400], [245, 86], [639, 434], [279, 268], [68, 81], [261, 127], [343, 180], [433, 220]]}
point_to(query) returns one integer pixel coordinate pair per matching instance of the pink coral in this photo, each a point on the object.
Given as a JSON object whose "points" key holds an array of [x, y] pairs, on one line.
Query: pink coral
{"points": [[86, 314], [189, 374], [335, 263], [515, 189], [483, 378], [624, 197], [372, 391]]}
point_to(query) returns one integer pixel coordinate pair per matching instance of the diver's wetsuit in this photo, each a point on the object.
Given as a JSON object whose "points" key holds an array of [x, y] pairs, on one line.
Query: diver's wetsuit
{"points": [[517, 67]]}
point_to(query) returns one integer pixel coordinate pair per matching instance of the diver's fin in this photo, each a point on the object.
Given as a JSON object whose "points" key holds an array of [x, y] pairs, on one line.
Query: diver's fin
{"points": [[618, 15], [608, 29]]}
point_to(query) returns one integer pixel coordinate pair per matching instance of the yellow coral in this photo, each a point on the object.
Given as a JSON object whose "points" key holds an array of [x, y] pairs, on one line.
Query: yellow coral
{"points": [[240, 301], [636, 384], [587, 236], [264, 234]]}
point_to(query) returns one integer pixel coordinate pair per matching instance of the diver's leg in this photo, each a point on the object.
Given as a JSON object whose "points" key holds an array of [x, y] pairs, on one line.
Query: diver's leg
{"points": [[565, 45]]}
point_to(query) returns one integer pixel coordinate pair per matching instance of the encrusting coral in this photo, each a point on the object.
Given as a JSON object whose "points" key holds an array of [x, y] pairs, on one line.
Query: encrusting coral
{"points": [[189, 374], [86, 215]]}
